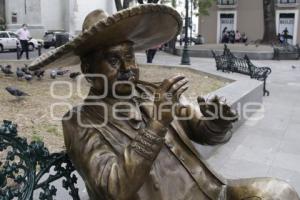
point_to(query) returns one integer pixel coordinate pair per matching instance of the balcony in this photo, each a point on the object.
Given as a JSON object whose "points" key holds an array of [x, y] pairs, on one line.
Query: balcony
{"points": [[287, 3], [227, 3]]}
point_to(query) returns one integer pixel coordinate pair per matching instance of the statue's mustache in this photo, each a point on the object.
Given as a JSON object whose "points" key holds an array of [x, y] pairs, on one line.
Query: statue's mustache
{"points": [[125, 75]]}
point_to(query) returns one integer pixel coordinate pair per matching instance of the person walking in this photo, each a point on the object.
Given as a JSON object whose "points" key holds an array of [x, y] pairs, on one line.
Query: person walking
{"points": [[285, 35], [24, 36], [151, 53], [238, 36]]}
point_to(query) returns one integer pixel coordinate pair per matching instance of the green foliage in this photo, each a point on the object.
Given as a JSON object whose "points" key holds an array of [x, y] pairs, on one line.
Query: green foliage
{"points": [[173, 2], [35, 137], [2, 24], [203, 6]]}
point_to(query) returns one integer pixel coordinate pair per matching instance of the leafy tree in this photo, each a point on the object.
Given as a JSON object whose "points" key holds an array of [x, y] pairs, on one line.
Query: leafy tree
{"points": [[125, 4], [203, 6], [269, 22], [147, 1], [173, 2], [122, 5], [2, 24]]}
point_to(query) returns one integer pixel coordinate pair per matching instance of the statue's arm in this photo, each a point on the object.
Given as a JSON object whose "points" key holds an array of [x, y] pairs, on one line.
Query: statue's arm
{"points": [[207, 130], [115, 176]]}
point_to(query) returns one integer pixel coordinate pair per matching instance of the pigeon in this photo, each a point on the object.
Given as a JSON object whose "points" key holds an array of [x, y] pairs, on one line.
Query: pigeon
{"points": [[74, 75], [39, 74], [25, 70], [15, 92], [53, 74], [6, 70], [62, 72], [19, 73], [28, 77]]}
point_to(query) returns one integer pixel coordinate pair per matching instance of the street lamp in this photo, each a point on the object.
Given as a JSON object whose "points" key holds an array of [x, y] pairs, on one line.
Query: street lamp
{"points": [[185, 59], [25, 6]]}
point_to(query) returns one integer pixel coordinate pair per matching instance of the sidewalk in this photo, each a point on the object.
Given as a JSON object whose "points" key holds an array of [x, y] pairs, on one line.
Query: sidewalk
{"points": [[253, 51], [270, 146]]}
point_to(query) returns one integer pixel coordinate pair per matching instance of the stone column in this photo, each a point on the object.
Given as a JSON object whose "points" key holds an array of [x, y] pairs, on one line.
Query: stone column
{"points": [[20, 12], [2, 9], [70, 19], [110, 7]]}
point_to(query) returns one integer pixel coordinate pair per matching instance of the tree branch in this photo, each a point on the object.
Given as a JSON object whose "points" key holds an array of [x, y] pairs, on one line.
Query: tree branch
{"points": [[118, 5]]}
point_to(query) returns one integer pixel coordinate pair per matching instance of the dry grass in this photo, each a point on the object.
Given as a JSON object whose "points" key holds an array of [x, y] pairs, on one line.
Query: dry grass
{"points": [[32, 114]]}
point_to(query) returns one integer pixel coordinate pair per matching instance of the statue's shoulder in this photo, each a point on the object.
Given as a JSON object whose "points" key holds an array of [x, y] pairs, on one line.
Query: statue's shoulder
{"points": [[71, 117], [84, 116]]}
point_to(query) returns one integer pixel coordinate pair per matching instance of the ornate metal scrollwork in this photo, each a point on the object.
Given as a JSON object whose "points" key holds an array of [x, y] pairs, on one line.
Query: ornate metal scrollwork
{"points": [[25, 168]]}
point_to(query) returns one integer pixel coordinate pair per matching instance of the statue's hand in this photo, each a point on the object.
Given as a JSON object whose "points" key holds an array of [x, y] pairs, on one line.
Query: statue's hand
{"points": [[217, 110], [166, 96]]}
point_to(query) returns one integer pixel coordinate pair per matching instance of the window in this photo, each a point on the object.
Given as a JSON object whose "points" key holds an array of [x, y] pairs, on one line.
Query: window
{"points": [[13, 35], [3, 35], [226, 2]]}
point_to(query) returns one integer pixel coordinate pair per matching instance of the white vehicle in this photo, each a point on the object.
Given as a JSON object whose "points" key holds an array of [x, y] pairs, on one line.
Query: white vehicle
{"points": [[34, 44], [8, 41]]}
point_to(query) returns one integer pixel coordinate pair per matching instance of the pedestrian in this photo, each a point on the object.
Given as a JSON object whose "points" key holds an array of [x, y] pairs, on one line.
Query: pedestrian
{"points": [[285, 35], [24, 36], [224, 38], [280, 38], [150, 53], [244, 38], [237, 36], [232, 36]]}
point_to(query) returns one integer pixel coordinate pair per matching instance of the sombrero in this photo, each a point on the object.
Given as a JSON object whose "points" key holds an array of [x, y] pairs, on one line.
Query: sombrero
{"points": [[145, 26]]}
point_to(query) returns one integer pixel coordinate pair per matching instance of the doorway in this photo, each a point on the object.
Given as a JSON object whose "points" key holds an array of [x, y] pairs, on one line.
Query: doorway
{"points": [[287, 23], [226, 22]]}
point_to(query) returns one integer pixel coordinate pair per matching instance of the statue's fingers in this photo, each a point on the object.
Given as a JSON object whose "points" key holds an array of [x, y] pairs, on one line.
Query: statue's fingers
{"points": [[180, 91], [177, 86], [200, 100], [168, 83]]}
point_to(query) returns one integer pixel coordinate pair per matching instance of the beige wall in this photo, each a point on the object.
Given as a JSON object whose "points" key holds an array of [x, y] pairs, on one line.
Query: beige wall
{"points": [[208, 25], [249, 20]]}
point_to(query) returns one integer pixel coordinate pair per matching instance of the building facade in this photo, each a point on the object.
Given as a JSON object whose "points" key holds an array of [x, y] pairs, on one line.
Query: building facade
{"points": [[247, 17], [50, 15]]}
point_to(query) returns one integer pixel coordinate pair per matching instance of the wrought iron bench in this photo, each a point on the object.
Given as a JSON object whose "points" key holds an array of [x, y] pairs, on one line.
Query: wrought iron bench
{"points": [[259, 73], [286, 52], [223, 61], [28, 168], [242, 65]]}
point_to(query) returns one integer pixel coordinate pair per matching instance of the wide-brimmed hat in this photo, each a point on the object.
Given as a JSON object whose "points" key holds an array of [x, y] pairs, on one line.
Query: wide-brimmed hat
{"points": [[146, 26]]}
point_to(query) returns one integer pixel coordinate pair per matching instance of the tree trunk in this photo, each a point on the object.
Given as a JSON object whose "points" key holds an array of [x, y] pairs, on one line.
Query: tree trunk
{"points": [[118, 5], [2, 10], [126, 3], [269, 22], [153, 1], [174, 4]]}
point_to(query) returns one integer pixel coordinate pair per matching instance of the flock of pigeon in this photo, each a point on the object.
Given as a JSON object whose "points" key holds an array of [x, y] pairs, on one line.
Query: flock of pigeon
{"points": [[24, 73]]}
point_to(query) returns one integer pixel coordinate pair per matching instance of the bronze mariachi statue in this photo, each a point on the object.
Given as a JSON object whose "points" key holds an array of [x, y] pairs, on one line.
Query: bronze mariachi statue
{"points": [[122, 144]]}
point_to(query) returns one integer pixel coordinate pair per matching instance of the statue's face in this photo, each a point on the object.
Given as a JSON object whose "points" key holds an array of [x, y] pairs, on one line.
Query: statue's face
{"points": [[117, 63]]}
